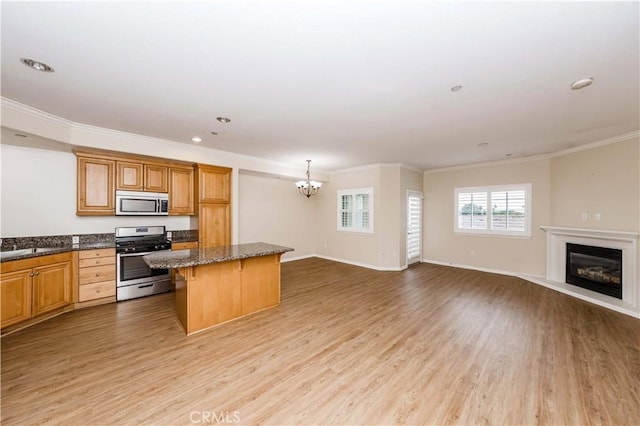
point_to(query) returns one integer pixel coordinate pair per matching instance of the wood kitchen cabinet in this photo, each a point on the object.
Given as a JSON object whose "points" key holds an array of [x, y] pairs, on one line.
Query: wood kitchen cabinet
{"points": [[16, 297], [214, 184], [181, 191], [96, 277], [36, 286], [96, 186], [214, 205], [215, 225], [141, 177]]}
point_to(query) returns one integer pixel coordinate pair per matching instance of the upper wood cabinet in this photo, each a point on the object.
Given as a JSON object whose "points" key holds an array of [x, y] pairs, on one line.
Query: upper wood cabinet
{"points": [[141, 177], [96, 186], [181, 191], [214, 184], [156, 178], [129, 176]]}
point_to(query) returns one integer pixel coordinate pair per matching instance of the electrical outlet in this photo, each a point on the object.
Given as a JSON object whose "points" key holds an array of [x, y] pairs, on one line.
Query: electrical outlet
{"points": [[169, 235], [585, 216], [597, 216], [75, 239]]}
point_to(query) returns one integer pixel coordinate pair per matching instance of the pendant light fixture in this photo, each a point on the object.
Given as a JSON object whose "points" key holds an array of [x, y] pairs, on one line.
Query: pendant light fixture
{"points": [[308, 187]]}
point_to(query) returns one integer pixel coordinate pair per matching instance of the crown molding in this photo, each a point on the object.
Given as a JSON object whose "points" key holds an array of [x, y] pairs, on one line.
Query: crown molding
{"points": [[33, 112], [377, 166], [592, 145]]}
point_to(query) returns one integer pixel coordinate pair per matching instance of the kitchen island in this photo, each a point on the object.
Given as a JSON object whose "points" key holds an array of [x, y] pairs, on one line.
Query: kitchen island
{"points": [[218, 284]]}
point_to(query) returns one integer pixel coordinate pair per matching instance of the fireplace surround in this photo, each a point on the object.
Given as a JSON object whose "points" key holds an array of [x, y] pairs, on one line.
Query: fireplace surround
{"points": [[624, 242]]}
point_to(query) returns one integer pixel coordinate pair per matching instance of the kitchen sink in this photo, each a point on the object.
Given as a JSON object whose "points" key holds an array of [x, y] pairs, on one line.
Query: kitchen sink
{"points": [[24, 252]]}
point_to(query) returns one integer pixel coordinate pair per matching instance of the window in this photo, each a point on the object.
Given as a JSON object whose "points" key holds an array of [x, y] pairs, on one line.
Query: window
{"points": [[355, 210], [494, 210]]}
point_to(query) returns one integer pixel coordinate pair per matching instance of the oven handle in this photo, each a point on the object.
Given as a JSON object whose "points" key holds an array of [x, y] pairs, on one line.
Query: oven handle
{"points": [[134, 254]]}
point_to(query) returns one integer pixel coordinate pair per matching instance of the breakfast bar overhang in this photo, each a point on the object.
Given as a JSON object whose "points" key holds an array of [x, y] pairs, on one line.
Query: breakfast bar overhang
{"points": [[218, 284]]}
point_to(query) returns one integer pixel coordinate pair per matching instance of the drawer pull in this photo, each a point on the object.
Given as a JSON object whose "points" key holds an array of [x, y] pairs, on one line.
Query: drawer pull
{"points": [[97, 290], [97, 274], [97, 262]]}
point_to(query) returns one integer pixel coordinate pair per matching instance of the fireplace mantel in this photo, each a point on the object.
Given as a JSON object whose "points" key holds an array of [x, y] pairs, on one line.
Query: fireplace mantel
{"points": [[627, 241], [595, 233]]}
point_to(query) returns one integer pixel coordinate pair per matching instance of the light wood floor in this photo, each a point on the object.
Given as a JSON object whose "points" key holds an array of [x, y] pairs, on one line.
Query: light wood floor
{"points": [[429, 345]]}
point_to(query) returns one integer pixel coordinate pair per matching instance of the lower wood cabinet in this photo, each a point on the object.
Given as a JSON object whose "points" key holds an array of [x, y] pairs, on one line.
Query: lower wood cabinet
{"points": [[97, 276], [210, 294], [32, 287], [16, 297]]}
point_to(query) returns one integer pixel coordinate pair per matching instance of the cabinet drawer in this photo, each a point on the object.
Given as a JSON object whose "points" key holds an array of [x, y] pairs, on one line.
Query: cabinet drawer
{"points": [[89, 254], [96, 274], [184, 245], [97, 261], [97, 290]]}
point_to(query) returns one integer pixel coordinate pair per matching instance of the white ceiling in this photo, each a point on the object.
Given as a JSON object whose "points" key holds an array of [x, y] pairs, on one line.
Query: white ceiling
{"points": [[344, 83]]}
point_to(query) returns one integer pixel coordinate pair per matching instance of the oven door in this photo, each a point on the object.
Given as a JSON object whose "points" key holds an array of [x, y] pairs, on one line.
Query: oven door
{"points": [[132, 269]]}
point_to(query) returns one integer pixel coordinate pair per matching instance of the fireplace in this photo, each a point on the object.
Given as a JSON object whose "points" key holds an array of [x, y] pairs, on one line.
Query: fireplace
{"points": [[595, 268]]}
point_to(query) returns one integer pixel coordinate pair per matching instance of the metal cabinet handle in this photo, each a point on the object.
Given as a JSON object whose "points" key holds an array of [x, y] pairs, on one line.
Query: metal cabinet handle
{"points": [[97, 262], [97, 290], [97, 274]]}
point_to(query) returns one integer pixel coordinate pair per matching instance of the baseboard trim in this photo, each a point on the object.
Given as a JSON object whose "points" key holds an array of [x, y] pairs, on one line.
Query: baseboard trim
{"points": [[474, 268], [363, 265], [291, 259]]}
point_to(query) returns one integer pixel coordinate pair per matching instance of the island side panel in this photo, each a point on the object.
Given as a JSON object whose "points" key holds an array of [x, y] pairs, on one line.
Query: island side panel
{"points": [[260, 283], [213, 294], [181, 296]]}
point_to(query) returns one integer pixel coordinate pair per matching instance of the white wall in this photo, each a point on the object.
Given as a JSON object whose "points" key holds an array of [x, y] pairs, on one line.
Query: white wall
{"points": [[271, 210], [520, 255], [39, 197], [604, 180], [385, 248]]}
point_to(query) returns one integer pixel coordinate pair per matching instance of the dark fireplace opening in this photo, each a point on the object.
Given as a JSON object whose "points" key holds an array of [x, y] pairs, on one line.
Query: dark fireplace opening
{"points": [[595, 268]]}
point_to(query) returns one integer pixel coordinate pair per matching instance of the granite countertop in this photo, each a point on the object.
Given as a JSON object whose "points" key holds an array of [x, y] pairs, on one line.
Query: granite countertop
{"points": [[204, 256], [28, 253]]}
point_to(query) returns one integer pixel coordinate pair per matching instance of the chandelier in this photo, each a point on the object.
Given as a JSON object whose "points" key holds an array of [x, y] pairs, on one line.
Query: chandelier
{"points": [[308, 187]]}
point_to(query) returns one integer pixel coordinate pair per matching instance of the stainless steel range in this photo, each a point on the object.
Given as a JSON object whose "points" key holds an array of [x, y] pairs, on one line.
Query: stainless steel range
{"points": [[134, 277]]}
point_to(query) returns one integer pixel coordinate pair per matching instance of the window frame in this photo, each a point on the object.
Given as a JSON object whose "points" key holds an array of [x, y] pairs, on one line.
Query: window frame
{"points": [[489, 190], [354, 192]]}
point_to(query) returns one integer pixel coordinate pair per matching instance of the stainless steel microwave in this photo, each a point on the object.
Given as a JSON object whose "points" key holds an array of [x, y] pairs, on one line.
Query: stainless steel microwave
{"points": [[134, 203]]}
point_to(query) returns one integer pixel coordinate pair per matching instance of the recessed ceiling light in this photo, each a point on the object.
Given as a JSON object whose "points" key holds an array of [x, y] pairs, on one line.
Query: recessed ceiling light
{"points": [[223, 119], [38, 66], [196, 139], [20, 135], [582, 83], [483, 144], [456, 88]]}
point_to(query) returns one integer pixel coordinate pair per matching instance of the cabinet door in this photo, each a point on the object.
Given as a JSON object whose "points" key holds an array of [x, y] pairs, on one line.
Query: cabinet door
{"points": [[95, 192], [129, 176], [214, 225], [15, 290], [215, 184], [260, 283], [51, 287], [181, 192], [155, 178]]}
